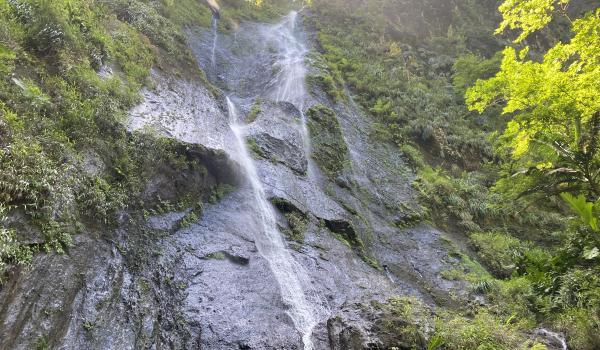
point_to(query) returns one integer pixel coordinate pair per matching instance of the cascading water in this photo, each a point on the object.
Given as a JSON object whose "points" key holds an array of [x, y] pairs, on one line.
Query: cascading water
{"points": [[289, 83], [269, 242], [215, 23]]}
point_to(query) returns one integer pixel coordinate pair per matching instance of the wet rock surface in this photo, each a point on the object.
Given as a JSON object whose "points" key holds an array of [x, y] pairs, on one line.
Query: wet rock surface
{"points": [[207, 285], [182, 109], [276, 132]]}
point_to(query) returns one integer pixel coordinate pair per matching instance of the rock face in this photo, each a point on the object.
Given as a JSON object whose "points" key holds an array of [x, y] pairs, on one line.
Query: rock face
{"points": [[109, 291], [181, 109], [152, 285], [276, 131]]}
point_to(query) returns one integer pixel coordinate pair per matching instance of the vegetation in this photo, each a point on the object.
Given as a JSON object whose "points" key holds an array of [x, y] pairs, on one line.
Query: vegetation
{"points": [[330, 151], [70, 70], [296, 219], [511, 176], [553, 134], [498, 116], [254, 111]]}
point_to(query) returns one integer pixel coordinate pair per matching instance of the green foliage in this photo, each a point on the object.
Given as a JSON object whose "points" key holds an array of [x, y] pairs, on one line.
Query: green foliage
{"points": [[407, 74], [186, 12], [464, 201], [194, 214], [581, 326], [233, 11], [583, 208], [528, 15], [406, 318], [398, 68], [11, 250], [219, 192], [413, 325], [502, 253], [468, 68], [189, 219], [326, 74], [42, 343], [554, 132], [483, 331], [413, 156], [57, 113]]}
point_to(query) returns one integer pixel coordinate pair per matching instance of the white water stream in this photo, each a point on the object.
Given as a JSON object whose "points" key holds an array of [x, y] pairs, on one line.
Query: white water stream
{"points": [[289, 83], [215, 33], [289, 274]]}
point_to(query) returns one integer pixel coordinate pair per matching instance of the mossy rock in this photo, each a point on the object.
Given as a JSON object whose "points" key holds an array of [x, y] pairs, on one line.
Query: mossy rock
{"points": [[297, 220], [330, 151]]}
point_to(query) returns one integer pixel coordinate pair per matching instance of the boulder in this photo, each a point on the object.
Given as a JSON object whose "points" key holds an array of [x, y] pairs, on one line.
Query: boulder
{"points": [[277, 133]]}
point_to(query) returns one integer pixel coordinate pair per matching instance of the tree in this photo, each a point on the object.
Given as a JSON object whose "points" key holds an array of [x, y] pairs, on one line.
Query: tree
{"points": [[554, 102]]}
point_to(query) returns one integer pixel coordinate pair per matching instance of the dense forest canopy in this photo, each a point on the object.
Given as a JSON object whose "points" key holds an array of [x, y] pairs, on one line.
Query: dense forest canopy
{"points": [[494, 106]]}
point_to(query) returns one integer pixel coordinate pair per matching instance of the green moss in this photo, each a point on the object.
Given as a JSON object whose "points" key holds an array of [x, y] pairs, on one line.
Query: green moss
{"points": [[219, 192], [42, 343], [216, 256], [466, 270], [88, 326], [346, 233], [255, 148], [330, 151], [297, 220], [254, 111]]}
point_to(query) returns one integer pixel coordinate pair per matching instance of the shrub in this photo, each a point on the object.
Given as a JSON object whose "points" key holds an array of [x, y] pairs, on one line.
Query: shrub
{"points": [[11, 251], [582, 326], [413, 156], [484, 332], [499, 252]]}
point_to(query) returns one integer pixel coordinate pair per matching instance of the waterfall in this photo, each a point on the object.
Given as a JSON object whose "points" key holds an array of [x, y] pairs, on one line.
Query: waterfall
{"points": [[558, 338], [215, 22], [289, 83], [269, 242]]}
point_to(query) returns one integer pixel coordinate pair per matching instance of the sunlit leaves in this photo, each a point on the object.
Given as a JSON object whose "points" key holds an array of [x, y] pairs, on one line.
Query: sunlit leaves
{"points": [[554, 102], [527, 15]]}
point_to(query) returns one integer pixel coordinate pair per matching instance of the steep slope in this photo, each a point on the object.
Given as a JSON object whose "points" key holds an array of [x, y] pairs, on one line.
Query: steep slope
{"points": [[275, 198]]}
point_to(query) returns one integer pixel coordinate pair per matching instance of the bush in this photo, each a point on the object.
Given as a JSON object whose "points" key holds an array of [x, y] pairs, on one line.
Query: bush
{"points": [[413, 156], [483, 332], [582, 326], [11, 251], [499, 252]]}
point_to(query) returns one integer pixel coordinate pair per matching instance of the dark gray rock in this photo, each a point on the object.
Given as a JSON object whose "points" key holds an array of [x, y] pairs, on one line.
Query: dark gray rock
{"points": [[276, 131], [207, 286]]}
